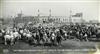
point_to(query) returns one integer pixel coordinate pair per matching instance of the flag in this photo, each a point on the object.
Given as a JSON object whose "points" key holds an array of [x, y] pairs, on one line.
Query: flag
{"points": [[38, 10], [50, 10], [77, 15]]}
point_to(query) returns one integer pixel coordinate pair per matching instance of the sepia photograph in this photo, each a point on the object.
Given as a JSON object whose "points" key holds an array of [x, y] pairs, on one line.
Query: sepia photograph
{"points": [[49, 27]]}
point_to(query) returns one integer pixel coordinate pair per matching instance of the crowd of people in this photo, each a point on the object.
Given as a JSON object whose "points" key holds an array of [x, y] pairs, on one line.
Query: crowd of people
{"points": [[50, 35]]}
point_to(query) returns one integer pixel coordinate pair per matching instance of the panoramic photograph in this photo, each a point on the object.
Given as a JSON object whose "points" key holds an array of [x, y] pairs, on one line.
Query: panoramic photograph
{"points": [[49, 27]]}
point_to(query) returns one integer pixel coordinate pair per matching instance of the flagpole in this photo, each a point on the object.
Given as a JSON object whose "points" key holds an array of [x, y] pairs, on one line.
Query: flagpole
{"points": [[21, 16], [49, 15], [38, 12], [50, 12], [70, 18], [38, 15], [81, 18]]}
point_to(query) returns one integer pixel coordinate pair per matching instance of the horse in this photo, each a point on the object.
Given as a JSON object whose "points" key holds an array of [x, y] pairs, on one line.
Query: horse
{"points": [[59, 38], [10, 38], [27, 35], [65, 36], [35, 37], [53, 38], [2, 33], [40, 34], [85, 37], [72, 34], [78, 35], [45, 38], [16, 35], [22, 33], [98, 34]]}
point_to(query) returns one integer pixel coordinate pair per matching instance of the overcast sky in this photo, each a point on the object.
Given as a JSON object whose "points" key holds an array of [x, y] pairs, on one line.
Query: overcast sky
{"points": [[89, 8]]}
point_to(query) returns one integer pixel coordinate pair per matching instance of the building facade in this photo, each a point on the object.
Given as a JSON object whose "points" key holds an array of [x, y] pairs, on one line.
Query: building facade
{"points": [[59, 19], [26, 19], [46, 19]]}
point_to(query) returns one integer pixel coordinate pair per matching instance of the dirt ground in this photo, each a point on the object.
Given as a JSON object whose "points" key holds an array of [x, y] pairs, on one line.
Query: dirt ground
{"points": [[66, 45]]}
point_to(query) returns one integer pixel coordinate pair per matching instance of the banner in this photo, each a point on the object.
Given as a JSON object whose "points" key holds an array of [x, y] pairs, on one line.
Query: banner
{"points": [[77, 15]]}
